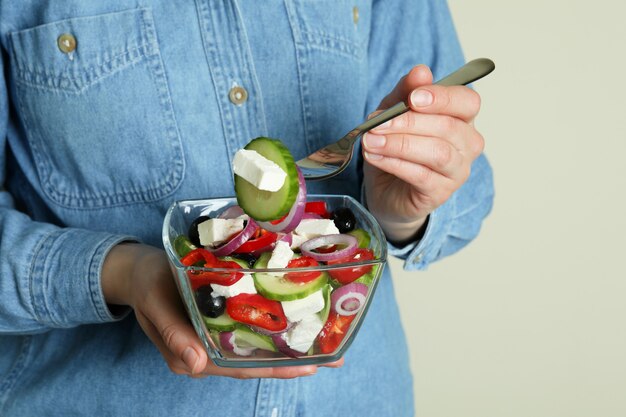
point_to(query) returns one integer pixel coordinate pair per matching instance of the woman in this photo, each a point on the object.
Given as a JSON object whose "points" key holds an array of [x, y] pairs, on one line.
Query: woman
{"points": [[110, 111]]}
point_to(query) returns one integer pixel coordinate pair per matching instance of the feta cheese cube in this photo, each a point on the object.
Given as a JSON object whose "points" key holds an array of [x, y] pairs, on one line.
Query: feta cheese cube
{"points": [[245, 285], [281, 255], [312, 228], [258, 170], [296, 310], [302, 335], [212, 232], [297, 240]]}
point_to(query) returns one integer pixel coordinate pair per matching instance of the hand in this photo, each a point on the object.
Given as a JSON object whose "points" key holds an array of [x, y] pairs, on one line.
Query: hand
{"points": [[415, 162], [139, 276]]}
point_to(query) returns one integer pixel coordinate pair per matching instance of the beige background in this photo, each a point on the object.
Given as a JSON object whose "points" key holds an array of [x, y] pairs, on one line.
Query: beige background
{"points": [[530, 319]]}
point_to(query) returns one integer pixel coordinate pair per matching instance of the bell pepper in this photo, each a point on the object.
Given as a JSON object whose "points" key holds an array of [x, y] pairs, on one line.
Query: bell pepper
{"points": [[205, 258]]}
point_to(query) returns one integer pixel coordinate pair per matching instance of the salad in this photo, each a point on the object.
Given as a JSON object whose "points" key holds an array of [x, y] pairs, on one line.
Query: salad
{"points": [[288, 306]]}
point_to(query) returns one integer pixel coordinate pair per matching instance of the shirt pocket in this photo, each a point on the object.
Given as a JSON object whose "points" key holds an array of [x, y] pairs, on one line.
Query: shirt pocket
{"points": [[337, 26], [97, 110], [331, 40]]}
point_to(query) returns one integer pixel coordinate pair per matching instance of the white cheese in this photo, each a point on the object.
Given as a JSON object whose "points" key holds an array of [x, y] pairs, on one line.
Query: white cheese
{"points": [[281, 255], [312, 228], [302, 335], [297, 240], [258, 170], [245, 285], [212, 232], [296, 310]]}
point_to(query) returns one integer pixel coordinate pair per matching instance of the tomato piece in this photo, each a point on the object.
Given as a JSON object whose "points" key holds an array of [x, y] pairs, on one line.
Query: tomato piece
{"points": [[317, 207], [326, 249], [256, 310], [206, 259], [347, 275], [252, 245], [333, 332], [305, 276]]}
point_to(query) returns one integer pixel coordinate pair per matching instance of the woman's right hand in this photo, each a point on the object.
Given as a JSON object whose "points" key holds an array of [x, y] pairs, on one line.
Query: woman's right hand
{"points": [[139, 276]]}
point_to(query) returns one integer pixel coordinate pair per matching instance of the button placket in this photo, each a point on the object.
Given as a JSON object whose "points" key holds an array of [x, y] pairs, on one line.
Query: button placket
{"points": [[232, 71], [238, 95]]}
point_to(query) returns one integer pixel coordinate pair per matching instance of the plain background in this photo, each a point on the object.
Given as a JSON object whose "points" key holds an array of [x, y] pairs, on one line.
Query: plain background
{"points": [[530, 318]]}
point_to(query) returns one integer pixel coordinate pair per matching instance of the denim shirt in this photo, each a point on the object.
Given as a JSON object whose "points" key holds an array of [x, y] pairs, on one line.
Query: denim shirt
{"points": [[146, 103]]}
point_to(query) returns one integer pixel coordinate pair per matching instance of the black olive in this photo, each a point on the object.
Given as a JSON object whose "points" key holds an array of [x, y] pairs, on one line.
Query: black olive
{"points": [[344, 219], [192, 233], [207, 304], [246, 257]]}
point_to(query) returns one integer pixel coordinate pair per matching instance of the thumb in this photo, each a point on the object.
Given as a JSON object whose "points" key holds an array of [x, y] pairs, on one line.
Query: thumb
{"points": [[168, 328], [418, 76]]}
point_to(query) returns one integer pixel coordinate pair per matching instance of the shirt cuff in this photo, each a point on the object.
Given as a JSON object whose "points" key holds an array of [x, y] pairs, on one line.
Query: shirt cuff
{"points": [[66, 278], [419, 254]]}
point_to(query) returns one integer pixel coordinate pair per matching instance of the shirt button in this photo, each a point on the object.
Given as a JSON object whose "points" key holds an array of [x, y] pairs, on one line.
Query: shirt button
{"points": [[238, 95], [66, 43], [355, 15]]}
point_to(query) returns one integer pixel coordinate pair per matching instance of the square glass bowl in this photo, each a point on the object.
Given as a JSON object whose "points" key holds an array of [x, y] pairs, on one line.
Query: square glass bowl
{"points": [[257, 347]]}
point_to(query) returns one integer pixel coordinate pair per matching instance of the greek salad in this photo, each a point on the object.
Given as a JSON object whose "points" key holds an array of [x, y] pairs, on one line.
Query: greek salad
{"points": [[282, 308]]}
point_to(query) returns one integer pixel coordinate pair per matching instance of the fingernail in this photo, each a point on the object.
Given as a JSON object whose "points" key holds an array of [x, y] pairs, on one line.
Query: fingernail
{"points": [[374, 141], [421, 98], [373, 156], [190, 357], [383, 126]]}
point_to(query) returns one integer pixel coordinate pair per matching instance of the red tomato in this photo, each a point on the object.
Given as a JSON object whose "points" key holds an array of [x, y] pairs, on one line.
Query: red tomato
{"points": [[302, 262], [264, 240], [347, 275], [317, 207], [208, 260], [333, 332], [256, 310]]}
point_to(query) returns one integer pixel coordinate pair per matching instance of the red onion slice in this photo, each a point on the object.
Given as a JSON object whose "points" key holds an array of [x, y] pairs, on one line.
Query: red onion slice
{"points": [[231, 212], [283, 347], [228, 247], [291, 221], [227, 342], [267, 332], [349, 299], [287, 238], [349, 241]]}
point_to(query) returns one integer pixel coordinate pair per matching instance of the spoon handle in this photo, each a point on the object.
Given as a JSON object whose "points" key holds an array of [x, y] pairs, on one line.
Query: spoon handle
{"points": [[470, 72]]}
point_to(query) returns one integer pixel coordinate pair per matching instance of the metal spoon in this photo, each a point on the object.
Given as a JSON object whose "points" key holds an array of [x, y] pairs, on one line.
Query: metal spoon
{"points": [[334, 158]]}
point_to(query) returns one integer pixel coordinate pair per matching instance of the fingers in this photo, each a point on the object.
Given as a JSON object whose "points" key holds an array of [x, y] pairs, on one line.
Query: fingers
{"points": [[176, 339], [462, 136], [287, 372], [175, 363], [418, 76], [455, 101], [434, 153]]}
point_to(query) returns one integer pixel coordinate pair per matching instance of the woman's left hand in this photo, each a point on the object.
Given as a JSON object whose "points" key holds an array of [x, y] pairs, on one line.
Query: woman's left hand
{"points": [[415, 162]]}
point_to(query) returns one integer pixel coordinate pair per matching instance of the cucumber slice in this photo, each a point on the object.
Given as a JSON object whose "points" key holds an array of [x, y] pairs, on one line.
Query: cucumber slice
{"points": [[245, 337], [223, 323], [363, 238], [281, 289], [182, 245], [323, 314], [238, 261], [266, 205], [369, 277]]}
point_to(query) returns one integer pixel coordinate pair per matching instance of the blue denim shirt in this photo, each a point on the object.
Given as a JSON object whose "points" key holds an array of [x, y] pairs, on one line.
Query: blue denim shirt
{"points": [[97, 142]]}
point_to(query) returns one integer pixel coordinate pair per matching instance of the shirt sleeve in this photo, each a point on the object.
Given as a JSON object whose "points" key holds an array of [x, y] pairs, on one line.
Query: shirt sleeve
{"points": [[49, 275], [405, 34]]}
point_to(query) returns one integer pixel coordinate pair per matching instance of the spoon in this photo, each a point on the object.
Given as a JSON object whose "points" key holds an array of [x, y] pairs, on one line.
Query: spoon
{"points": [[332, 159]]}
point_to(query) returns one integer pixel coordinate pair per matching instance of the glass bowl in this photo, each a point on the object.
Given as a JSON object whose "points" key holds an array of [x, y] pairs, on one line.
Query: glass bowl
{"points": [[339, 326]]}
